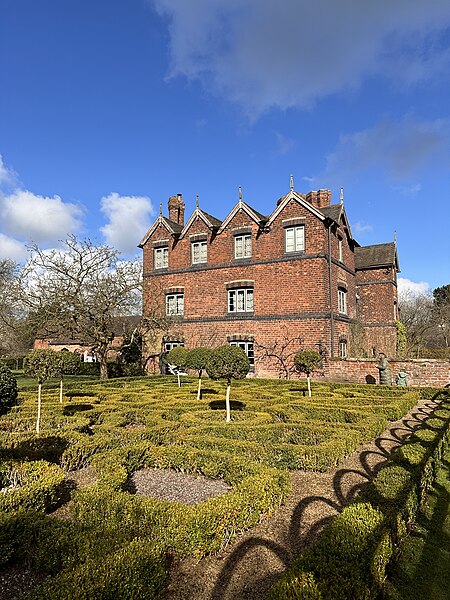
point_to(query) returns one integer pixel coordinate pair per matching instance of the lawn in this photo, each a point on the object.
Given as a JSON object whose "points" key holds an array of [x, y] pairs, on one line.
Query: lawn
{"points": [[116, 541]]}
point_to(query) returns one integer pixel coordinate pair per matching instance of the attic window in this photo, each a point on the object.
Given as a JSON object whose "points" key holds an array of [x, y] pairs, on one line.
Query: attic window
{"points": [[295, 238], [340, 249], [161, 257]]}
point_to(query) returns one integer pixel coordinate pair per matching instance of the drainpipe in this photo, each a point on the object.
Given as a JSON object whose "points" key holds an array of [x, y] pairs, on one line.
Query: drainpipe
{"points": [[330, 283]]}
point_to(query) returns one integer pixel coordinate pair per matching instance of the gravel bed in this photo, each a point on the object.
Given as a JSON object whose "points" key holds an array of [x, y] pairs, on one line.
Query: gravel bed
{"points": [[166, 484]]}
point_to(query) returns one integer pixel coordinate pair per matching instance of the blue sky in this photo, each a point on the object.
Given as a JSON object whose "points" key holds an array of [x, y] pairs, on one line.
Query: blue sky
{"points": [[109, 107]]}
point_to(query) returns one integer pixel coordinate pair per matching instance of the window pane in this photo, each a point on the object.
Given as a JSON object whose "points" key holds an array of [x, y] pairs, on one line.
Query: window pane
{"points": [[240, 301], [231, 300], [300, 238], [290, 247], [238, 247], [247, 245], [203, 250], [249, 300]]}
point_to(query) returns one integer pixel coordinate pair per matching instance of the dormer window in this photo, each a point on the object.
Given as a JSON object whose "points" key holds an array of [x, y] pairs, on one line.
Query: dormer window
{"points": [[243, 246], [161, 257], [199, 252], [295, 238]]}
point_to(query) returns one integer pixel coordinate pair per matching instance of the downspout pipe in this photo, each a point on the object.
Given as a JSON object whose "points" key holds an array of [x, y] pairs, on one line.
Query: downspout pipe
{"points": [[330, 285]]}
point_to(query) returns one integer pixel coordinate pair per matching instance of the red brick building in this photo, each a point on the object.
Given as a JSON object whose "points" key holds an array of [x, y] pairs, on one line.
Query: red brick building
{"points": [[253, 279]]}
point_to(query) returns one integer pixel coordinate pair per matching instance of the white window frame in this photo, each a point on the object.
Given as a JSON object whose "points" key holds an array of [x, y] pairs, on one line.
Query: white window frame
{"points": [[342, 348], [169, 345], [342, 301], [161, 257], [241, 300], [199, 252], [175, 304], [248, 348], [243, 246], [294, 238]]}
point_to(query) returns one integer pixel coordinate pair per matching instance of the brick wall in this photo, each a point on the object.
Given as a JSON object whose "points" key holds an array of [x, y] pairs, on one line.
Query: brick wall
{"points": [[423, 372]]}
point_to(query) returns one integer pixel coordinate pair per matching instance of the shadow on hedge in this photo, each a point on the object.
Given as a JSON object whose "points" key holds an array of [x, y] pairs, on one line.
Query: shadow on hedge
{"points": [[49, 448], [69, 411], [221, 405]]}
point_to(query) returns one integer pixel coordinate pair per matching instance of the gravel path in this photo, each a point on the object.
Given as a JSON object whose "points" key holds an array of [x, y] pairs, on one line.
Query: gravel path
{"points": [[167, 484], [255, 560]]}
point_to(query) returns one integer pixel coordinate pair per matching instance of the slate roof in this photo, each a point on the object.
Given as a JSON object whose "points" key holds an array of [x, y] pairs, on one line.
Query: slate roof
{"points": [[377, 255], [332, 212], [213, 220], [177, 228]]}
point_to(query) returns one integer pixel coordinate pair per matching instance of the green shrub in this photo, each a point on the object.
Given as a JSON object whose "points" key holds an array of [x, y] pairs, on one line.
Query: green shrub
{"points": [[8, 389], [29, 485]]}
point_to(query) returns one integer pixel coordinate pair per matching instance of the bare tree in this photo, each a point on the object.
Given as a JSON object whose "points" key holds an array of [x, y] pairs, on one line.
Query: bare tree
{"points": [[281, 352], [79, 291], [416, 312]]}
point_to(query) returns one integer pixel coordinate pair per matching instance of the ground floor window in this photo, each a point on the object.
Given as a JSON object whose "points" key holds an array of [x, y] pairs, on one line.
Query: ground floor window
{"points": [[169, 345], [342, 348], [248, 348]]}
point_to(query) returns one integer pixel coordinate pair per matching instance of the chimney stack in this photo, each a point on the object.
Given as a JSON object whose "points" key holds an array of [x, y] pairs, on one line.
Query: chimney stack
{"points": [[176, 209], [319, 198]]}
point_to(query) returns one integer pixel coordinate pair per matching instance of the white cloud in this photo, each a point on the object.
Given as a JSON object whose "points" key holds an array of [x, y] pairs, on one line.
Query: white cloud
{"points": [[284, 144], [39, 219], [263, 54], [7, 175], [12, 249], [399, 148], [362, 227], [129, 219], [407, 190], [408, 288]]}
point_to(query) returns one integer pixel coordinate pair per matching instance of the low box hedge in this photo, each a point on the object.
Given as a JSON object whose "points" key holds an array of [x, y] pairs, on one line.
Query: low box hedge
{"points": [[350, 558]]}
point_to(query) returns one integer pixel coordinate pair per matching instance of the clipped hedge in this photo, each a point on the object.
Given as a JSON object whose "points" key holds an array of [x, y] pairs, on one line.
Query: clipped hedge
{"points": [[29, 485], [350, 558]]}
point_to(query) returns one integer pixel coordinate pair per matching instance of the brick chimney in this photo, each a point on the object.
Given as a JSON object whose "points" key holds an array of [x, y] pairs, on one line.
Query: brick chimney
{"points": [[176, 209], [319, 198]]}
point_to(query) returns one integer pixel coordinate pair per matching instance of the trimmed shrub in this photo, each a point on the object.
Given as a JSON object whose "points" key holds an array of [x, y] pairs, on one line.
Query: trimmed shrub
{"points": [[29, 485], [8, 389]]}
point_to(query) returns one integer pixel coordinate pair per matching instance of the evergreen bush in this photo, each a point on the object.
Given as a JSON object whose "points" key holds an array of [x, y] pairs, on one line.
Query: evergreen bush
{"points": [[8, 389]]}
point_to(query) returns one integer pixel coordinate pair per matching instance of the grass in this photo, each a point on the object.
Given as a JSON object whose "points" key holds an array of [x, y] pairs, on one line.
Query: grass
{"points": [[423, 569]]}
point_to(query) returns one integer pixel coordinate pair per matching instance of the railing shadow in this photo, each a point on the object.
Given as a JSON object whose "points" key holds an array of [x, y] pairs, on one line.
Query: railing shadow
{"points": [[300, 534]]}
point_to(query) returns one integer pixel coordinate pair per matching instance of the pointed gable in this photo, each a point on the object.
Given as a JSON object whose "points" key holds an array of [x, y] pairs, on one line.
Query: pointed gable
{"points": [[300, 199], [174, 229], [256, 216], [336, 212], [211, 222]]}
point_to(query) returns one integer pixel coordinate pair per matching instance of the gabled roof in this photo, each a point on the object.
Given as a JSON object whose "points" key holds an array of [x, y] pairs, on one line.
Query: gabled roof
{"points": [[376, 256], [251, 212], [211, 222], [335, 212], [172, 228], [292, 195]]}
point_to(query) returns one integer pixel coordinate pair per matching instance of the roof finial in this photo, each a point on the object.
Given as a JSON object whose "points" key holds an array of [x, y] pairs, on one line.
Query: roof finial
{"points": [[196, 201], [240, 193], [341, 196], [291, 182], [160, 208], [395, 237]]}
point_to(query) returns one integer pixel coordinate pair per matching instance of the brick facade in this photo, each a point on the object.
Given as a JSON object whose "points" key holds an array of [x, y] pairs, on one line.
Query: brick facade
{"points": [[300, 281]]}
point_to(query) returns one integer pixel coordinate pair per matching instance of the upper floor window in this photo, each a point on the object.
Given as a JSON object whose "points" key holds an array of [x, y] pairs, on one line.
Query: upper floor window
{"points": [[340, 250], [295, 238], [199, 252], [342, 301], [249, 350], [175, 304], [240, 300], [161, 258], [342, 348], [243, 246]]}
